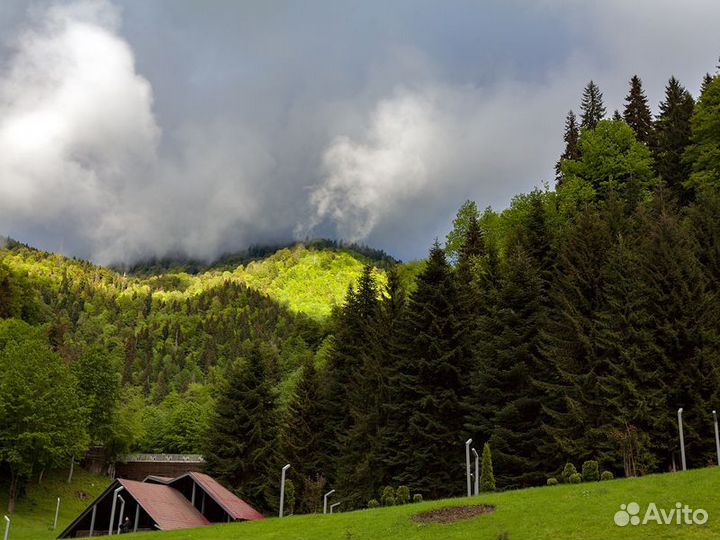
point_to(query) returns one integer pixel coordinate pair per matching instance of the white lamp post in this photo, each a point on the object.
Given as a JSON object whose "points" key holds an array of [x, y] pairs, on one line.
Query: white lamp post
{"points": [[467, 465], [325, 498], [477, 472], [682, 439], [57, 511], [112, 512], [7, 527], [332, 507], [717, 437], [282, 488]]}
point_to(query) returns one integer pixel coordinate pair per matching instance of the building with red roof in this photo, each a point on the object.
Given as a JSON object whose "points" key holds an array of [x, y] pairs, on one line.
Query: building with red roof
{"points": [[160, 503]]}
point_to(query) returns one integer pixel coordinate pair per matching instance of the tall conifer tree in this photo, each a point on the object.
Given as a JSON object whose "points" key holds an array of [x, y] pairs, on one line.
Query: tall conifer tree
{"points": [[637, 113], [572, 147], [240, 448], [671, 138], [592, 108]]}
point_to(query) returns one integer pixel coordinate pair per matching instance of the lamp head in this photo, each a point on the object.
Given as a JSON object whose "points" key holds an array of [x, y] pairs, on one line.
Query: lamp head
{"points": [[474, 452], [468, 442], [286, 467]]}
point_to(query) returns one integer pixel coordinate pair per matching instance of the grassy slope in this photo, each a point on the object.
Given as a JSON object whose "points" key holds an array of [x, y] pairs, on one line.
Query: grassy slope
{"points": [[570, 511], [35, 512]]}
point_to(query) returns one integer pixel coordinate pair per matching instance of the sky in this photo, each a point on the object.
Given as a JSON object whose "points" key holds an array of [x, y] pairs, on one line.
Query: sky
{"points": [[139, 128]]}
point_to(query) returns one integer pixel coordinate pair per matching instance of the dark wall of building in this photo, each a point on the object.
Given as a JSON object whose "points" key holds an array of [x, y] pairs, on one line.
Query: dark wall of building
{"points": [[139, 470]]}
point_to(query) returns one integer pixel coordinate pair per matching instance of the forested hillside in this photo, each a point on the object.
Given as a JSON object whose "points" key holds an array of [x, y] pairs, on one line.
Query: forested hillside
{"points": [[569, 327]]}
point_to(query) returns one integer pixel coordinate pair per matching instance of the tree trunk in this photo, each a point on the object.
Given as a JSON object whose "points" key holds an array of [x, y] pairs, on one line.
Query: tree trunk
{"points": [[72, 467], [40, 476], [13, 492]]}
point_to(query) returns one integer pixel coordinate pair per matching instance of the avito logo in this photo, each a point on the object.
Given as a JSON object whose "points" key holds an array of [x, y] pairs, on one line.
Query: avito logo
{"points": [[629, 514]]}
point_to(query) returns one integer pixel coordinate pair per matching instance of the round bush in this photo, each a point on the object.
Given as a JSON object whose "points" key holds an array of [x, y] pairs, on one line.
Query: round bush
{"points": [[575, 478], [590, 471], [552, 482], [606, 475], [373, 503], [388, 496], [417, 498], [402, 495], [568, 471]]}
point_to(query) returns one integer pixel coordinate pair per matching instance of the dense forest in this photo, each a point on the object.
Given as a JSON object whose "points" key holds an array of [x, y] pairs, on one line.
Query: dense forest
{"points": [[569, 327]]}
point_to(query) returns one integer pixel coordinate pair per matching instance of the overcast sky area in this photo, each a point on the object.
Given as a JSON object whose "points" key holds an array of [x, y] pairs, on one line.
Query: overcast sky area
{"points": [[145, 127]]}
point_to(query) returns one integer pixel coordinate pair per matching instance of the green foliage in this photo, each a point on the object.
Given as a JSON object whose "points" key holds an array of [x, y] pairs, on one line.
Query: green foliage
{"points": [[402, 495], [241, 442], [289, 496], [590, 471], [612, 161], [487, 477], [593, 110], [42, 420], [373, 503], [672, 137], [552, 481], [388, 496], [637, 113], [575, 478], [466, 216], [567, 472], [417, 498], [606, 475], [703, 154]]}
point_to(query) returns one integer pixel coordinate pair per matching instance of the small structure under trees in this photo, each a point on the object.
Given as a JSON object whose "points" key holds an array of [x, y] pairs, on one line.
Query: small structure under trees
{"points": [[159, 503]]}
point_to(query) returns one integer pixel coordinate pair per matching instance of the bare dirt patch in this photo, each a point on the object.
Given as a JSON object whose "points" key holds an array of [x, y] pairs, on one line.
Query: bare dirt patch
{"points": [[453, 514]]}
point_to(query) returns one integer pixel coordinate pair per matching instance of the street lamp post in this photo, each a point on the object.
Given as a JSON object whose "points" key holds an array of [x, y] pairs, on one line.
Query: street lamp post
{"points": [[112, 512], [7, 527], [682, 439], [332, 507], [717, 437], [467, 465], [282, 488], [325, 498], [477, 472]]}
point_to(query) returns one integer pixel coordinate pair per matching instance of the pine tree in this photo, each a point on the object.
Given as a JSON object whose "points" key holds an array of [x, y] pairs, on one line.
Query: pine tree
{"points": [[707, 79], [354, 328], [512, 401], [671, 138], [487, 478], [637, 113], [303, 427], [572, 148], [592, 106], [361, 467], [242, 436], [434, 384]]}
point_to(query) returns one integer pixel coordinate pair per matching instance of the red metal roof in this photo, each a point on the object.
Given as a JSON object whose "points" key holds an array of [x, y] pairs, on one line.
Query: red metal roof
{"points": [[233, 505], [165, 505]]}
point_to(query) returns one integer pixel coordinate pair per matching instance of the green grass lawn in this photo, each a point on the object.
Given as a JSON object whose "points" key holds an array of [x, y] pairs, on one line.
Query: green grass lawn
{"points": [[34, 515], [569, 511]]}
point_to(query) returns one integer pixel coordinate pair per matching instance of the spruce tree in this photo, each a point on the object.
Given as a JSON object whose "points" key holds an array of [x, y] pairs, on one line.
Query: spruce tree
{"points": [[637, 113], [572, 148], [512, 400], [242, 436], [303, 428], [434, 384], [672, 134], [592, 106], [354, 329]]}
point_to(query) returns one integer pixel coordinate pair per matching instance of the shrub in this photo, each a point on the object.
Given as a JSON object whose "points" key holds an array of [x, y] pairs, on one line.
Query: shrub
{"points": [[606, 475], [388, 496], [552, 481], [575, 478], [417, 498], [567, 472], [373, 503], [402, 495], [290, 496], [487, 478], [590, 471]]}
